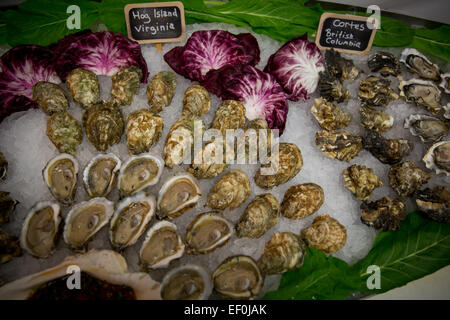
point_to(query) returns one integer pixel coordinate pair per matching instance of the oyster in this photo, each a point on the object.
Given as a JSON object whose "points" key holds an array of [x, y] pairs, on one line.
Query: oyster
{"points": [[161, 246], [445, 83], [196, 101], [388, 151], [207, 232], [212, 159], [377, 120], [435, 203], [405, 178], [130, 219], [446, 111], [65, 132], [238, 277], [339, 145], [361, 181], [40, 229], [422, 93], [50, 97], [232, 190], [188, 282], [302, 200], [143, 131], [385, 213], [325, 234], [100, 174], [329, 116], [84, 220], [331, 88], [288, 161], [83, 87], [437, 157], [9, 247], [104, 125], [125, 84], [3, 167], [416, 62], [253, 142], [178, 194], [340, 67], [385, 63], [376, 92], [138, 173], [284, 251], [261, 214], [426, 127], [7, 206], [160, 90], [60, 176], [229, 115]]}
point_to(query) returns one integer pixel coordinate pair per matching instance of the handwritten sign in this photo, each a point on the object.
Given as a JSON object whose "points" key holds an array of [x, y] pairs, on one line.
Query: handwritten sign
{"points": [[345, 33], [156, 22]]}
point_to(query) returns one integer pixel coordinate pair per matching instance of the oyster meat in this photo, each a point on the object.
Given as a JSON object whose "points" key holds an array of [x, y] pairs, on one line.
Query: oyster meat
{"points": [[435, 203], [339, 67], [125, 84], [329, 116], [385, 63], [83, 87], [40, 229], [178, 194], [339, 145], [207, 232], [84, 220], [3, 167], [445, 83], [302, 200], [161, 246], [238, 277], [429, 129], [437, 157], [376, 92], [361, 181], [160, 90], [143, 131], [230, 192], [229, 115], [9, 247], [331, 88], [60, 176], [377, 120], [385, 213], [422, 93], [50, 97], [7, 206], [284, 252], [196, 101], [388, 151], [188, 282], [100, 174], [261, 214], [325, 234], [416, 62], [212, 159], [104, 125], [65, 132]]}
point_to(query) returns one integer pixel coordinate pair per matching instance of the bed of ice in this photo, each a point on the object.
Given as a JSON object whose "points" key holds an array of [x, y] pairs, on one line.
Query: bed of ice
{"points": [[27, 148]]}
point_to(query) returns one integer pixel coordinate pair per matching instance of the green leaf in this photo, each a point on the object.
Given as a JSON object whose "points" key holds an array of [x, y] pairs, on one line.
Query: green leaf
{"points": [[435, 41], [3, 33], [393, 33]]}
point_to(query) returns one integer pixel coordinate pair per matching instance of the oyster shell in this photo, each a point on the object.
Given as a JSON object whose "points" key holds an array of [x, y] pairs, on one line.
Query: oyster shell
{"points": [[377, 120], [385, 63], [60, 176], [445, 83], [331, 88], [104, 125], [138, 173], [212, 159], [435, 203], [130, 219], [284, 251], [302, 200], [261, 214], [446, 111], [7, 206], [339, 67], [361, 181], [422, 93], [40, 229], [100, 174], [188, 282], [339, 145], [388, 151], [3, 167], [385, 213], [143, 131], [437, 157], [229, 115], [253, 141], [161, 246], [83, 87], [65, 132], [196, 101], [230, 192], [288, 162], [178, 194], [426, 127], [416, 62], [125, 84], [405, 178], [329, 116], [325, 234], [238, 277], [9, 247], [50, 97], [84, 220], [376, 92], [160, 90]]}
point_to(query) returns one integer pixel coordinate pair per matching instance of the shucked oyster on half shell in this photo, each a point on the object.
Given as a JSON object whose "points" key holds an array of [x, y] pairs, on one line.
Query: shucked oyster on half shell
{"points": [[138, 173], [65, 132], [416, 62], [130, 219], [388, 151], [7, 206], [100, 174], [341, 145], [437, 157], [385, 63], [143, 130], [232, 190], [179, 193], [435, 203], [377, 120], [9, 247], [60, 176], [229, 115], [196, 101], [376, 92], [325, 234], [426, 127], [84, 220], [3, 167], [329, 116], [361, 181], [40, 229], [405, 178], [422, 93], [50, 97], [83, 87], [125, 84], [385, 213], [188, 282], [160, 90], [302, 200]]}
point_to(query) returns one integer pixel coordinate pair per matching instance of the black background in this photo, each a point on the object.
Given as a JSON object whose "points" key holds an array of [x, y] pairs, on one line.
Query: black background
{"points": [[155, 21]]}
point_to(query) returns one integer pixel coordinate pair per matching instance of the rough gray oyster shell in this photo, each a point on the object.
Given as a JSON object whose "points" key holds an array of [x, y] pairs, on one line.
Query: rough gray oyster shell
{"points": [[416, 62], [405, 178], [437, 157], [385, 63], [83, 87], [329, 116], [388, 151], [428, 128], [376, 92], [361, 181], [160, 90], [377, 120], [339, 67], [9, 247], [325, 234], [445, 83], [435, 203], [331, 88], [229, 115], [65, 132], [50, 97], [230, 192], [255, 133], [7, 206], [3, 167], [302, 200], [422, 93], [385, 213], [212, 159], [339, 145], [143, 130], [125, 84], [196, 101]]}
